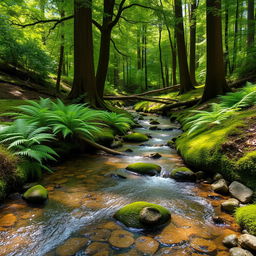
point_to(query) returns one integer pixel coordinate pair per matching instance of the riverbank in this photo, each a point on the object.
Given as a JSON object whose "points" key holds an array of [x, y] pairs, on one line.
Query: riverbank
{"points": [[228, 148]]}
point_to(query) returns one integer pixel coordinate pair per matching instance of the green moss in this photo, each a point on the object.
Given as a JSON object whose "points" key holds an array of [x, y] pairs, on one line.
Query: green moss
{"points": [[144, 168], [246, 217], [182, 173], [204, 150], [36, 194], [129, 214], [106, 137], [136, 137], [147, 106]]}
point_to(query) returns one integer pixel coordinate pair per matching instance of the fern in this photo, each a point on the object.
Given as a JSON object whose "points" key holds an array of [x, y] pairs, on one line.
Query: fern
{"points": [[119, 122], [75, 119], [27, 141]]}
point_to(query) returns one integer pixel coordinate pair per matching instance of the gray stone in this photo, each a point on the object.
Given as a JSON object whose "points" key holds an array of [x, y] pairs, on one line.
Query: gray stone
{"points": [[230, 205], [150, 216], [200, 175], [236, 251], [230, 241], [220, 186], [240, 192], [247, 241], [217, 177]]}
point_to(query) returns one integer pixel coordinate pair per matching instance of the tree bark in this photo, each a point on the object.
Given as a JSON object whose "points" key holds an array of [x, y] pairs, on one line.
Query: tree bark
{"points": [[185, 81], [145, 56], [105, 40], [215, 74], [250, 26], [227, 62], [138, 50], [161, 55], [61, 57], [192, 48], [84, 83], [235, 38]]}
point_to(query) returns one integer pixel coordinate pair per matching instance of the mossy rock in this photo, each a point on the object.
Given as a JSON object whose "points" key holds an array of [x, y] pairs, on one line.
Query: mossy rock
{"points": [[130, 215], [136, 137], [183, 174], [106, 137], [36, 195], [246, 217], [144, 168]]}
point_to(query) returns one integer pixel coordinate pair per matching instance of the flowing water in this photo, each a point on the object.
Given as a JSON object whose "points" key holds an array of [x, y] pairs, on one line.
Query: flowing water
{"points": [[85, 192]]}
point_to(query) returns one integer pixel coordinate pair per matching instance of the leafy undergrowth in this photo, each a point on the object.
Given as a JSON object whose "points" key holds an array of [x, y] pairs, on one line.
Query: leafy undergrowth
{"points": [[222, 137], [147, 106]]}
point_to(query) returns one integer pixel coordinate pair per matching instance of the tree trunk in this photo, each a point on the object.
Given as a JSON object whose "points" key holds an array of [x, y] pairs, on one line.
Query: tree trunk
{"points": [[215, 74], [84, 83], [61, 57], [192, 48], [235, 38], [167, 76], [160, 55], [105, 40], [145, 56], [138, 50], [227, 62], [250, 26], [185, 81]]}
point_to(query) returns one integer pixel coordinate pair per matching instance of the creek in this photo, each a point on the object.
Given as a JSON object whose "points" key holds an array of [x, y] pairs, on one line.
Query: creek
{"points": [[85, 192]]}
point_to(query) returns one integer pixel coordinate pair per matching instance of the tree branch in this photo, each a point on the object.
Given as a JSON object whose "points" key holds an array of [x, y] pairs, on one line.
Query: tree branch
{"points": [[114, 44], [57, 21]]}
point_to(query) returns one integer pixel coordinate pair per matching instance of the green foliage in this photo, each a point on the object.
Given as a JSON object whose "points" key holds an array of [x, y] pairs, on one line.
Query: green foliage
{"points": [[230, 103], [121, 123], [27, 141], [22, 52], [73, 120], [246, 217], [246, 97]]}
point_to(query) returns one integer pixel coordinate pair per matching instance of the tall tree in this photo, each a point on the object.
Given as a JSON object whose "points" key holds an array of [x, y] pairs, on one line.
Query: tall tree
{"points": [[251, 25], [215, 74], [160, 54], [235, 38], [84, 82], [192, 55], [185, 81]]}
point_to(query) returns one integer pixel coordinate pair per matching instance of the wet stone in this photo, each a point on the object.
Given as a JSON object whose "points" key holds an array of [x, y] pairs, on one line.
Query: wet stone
{"points": [[110, 225], [230, 241], [150, 216], [146, 245], [247, 241], [97, 248], [203, 245], [71, 246], [236, 251], [100, 235], [121, 239], [8, 220], [220, 186], [230, 205], [240, 192]]}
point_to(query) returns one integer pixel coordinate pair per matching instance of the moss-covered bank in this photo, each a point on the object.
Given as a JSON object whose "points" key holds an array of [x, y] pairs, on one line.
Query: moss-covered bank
{"points": [[227, 148]]}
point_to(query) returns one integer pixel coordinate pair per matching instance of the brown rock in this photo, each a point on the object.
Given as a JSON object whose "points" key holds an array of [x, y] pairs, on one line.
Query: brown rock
{"points": [[247, 241], [146, 245], [96, 248], [71, 246], [110, 225], [203, 245], [121, 239], [100, 235], [8, 220]]}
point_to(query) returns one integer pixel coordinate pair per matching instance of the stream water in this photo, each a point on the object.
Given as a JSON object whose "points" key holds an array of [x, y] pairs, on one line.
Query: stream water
{"points": [[85, 192]]}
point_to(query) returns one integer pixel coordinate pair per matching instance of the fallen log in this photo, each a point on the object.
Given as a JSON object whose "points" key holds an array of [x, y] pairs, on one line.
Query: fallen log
{"points": [[134, 97], [100, 147], [189, 103], [241, 81]]}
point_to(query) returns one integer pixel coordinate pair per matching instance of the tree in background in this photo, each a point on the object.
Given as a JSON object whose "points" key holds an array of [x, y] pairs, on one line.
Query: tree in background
{"points": [[185, 81], [215, 71]]}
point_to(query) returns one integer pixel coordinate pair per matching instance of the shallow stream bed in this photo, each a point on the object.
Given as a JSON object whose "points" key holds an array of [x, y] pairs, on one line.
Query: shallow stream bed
{"points": [[84, 193]]}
